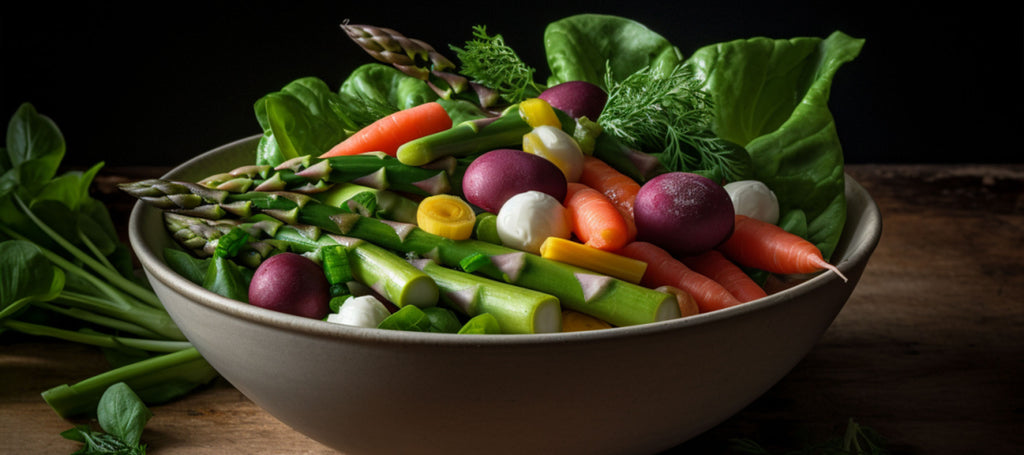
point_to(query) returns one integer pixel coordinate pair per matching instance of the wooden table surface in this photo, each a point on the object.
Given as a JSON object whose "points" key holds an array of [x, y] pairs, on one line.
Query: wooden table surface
{"points": [[928, 351]]}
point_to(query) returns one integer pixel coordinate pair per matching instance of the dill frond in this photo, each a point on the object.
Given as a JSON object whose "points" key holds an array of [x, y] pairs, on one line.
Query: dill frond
{"points": [[487, 60], [670, 116]]}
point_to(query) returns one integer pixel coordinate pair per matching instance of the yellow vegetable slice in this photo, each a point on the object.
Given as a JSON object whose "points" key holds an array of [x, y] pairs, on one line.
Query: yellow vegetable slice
{"points": [[574, 321], [605, 262], [537, 112], [558, 147], [446, 215]]}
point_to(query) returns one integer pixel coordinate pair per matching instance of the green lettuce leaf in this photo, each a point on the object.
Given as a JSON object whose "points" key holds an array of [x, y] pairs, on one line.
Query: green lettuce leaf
{"points": [[771, 97], [585, 46]]}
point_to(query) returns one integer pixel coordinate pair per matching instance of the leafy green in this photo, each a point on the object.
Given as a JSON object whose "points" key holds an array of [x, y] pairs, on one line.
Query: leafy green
{"points": [[481, 324], [408, 318], [122, 416], [771, 97], [304, 118], [585, 47], [68, 276], [489, 61]]}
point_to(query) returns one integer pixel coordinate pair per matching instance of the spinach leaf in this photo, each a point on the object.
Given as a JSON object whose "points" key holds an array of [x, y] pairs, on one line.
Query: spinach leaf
{"points": [[386, 88], [584, 46], [35, 148], [228, 279], [481, 324], [302, 118], [122, 415], [27, 277], [771, 97]]}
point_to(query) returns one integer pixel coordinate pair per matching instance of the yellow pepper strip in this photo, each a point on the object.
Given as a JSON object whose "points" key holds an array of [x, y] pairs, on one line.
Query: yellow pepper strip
{"points": [[537, 112], [574, 321], [605, 262], [446, 215]]}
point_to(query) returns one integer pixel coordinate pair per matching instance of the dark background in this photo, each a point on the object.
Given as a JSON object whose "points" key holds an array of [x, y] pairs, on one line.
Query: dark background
{"points": [[157, 83]]}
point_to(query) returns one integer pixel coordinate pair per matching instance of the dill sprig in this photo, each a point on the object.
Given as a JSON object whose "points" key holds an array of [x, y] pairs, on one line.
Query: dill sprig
{"points": [[670, 116], [487, 60]]}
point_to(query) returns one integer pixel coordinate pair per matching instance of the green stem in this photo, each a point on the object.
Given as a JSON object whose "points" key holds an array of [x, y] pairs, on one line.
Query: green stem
{"points": [[99, 319], [467, 138], [101, 340], [517, 309], [145, 295], [150, 318], [384, 272], [155, 380], [390, 205]]}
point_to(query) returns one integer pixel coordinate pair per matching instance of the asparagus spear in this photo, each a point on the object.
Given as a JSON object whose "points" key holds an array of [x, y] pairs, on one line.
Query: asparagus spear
{"points": [[467, 138], [389, 275], [309, 175], [419, 59], [517, 309], [615, 301]]}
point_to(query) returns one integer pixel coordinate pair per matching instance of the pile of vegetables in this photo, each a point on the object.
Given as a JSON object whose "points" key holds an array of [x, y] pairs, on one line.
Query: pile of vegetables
{"points": [[630, 186], [66, 275]]}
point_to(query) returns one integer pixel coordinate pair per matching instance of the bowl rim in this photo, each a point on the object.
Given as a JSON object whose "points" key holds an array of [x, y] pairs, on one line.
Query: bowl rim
{"points": [[157, 269]]}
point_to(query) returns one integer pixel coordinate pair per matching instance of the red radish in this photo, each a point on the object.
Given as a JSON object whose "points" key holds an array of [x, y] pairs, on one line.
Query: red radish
{"points": [[684, 213], [291, 283], [576, 98], [494, 177]]}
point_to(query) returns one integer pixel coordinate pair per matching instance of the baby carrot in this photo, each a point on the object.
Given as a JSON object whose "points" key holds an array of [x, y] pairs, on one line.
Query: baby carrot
{"points": [[761, 245], [665, 270], [713, 264], [594, 219], [618, 187], [388, 133]]}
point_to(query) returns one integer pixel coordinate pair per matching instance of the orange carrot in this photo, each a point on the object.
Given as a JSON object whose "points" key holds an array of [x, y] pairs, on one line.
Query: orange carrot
{"points": [[618, 187], [387, 134], [665, 270], [713, 264], [594, 219], [755, 243]]}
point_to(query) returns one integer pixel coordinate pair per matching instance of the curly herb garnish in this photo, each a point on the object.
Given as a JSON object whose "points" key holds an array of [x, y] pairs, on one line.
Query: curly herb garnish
{"points": [[668, 115], [487, 60]]}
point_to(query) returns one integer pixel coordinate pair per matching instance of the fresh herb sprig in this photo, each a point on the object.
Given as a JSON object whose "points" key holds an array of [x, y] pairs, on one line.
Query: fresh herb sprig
{"points": [[122, 416], [667, 114], [492, 63]]}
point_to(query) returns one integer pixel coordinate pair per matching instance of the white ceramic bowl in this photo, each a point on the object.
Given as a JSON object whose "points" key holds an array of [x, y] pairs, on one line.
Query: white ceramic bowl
{"points": [[638, 389]]}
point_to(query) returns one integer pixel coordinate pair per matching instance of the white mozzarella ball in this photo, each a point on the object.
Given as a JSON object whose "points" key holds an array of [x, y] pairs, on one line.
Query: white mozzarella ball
{"points": [[527, 219], [362, 311], [754, 199]]}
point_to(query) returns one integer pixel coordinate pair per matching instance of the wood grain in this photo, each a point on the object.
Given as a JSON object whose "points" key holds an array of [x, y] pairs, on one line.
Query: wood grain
{"points": [[929, 350]]}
